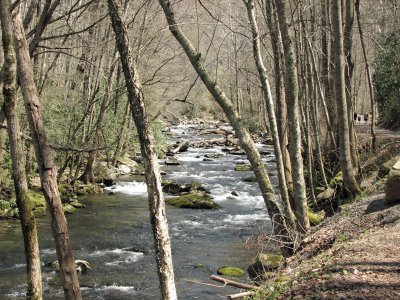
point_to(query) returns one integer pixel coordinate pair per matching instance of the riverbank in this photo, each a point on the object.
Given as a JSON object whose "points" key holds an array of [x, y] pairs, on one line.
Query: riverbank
{"points": [[352, 255]]}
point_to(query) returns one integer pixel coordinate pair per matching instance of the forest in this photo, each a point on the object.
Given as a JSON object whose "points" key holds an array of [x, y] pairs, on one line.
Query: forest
{"points": [[269, 126]]}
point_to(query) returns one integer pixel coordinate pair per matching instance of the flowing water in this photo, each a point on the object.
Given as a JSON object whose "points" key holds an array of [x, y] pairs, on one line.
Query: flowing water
{"points": [[113, 233]]}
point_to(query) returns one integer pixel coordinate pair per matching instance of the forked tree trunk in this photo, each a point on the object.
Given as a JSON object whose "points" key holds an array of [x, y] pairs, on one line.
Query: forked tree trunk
{"points": [[156, 201], [28, 222], [269, 103], [346, 165], [281, 230], [291, 88], [47, 169]]}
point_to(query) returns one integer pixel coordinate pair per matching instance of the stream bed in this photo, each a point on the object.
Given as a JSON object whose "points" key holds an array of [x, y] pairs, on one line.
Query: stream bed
{"points": [[113, 233]]}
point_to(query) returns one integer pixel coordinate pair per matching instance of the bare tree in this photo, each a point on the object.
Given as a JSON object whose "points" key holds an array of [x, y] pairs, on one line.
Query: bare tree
{"points": [[281, 229], [346, 165], [47, 169], [155, 196], [27, 219]]}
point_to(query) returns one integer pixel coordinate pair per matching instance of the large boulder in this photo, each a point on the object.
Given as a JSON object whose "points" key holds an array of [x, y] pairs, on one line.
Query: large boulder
{"points": [[194, 201], [392, 186], [264, 263], [176, 188]]}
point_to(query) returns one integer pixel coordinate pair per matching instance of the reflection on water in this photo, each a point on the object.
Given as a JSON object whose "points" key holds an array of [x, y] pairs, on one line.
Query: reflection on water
{"points": [[113, 233]]}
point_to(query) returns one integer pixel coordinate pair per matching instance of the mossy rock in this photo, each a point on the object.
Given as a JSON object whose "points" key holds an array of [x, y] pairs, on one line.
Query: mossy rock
{"points": [[77, 204], [69, 209], [194, 201], [264, 262], [231, 271], [315, 218], [243, 167], [36, 198], [39, 211], [199, 266]]}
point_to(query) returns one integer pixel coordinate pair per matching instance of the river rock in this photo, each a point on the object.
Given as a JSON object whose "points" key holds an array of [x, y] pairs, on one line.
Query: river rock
{"points": [[231, 271], [176, 188], [172, 161], [392, 187], [194, 201], [264, 262], [250, 179], [243, 167]]}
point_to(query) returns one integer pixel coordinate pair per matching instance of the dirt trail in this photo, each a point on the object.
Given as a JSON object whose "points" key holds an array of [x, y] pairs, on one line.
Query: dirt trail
{"points": [[364, 128], [359, 256]]}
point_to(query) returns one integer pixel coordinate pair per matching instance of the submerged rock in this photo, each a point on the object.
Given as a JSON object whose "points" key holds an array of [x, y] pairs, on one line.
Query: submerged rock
{"points": [[194, 201], [231, 271], [172, 161], [264, 262]]}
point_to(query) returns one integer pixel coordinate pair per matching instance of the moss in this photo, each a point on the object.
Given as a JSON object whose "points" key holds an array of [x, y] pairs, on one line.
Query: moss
{"points": [[231, 271], [39, 211], [337, 180], [77, 204], [69, 209], [36, 199], [199, 266], [243, 167], [196, 201], [264, 262], [315, 218]]}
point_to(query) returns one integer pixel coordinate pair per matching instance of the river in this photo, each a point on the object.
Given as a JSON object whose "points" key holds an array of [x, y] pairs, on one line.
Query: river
{"points": [[113, 233]]}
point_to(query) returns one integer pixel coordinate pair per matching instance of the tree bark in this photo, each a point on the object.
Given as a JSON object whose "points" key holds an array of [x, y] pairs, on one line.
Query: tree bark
{"points": [[269, 103], [27, 219], [291, 88], [281, 105], [156, 201], [346, 165], [281, 229], [370, 86], [47, 169]]}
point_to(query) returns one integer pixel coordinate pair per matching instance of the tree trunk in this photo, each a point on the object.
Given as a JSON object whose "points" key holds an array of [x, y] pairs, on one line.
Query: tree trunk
{"points": [[346, 165], [281, 111], [370, 86], [156, 201], [262, 74], [47, 169], [28, 222], [281, 230], [291, 88]]}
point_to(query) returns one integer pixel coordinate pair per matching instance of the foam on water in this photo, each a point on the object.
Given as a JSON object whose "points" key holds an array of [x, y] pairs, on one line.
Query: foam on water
{"points": [[112, 287], [244, 219], [129, 188]]}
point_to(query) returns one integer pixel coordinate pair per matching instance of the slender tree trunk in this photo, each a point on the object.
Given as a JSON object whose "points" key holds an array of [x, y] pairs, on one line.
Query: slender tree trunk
{"points": [[346, 165], [281, 112], [47, 169], [28, 222], [153, 179], [269, 103], [281, 230], [370, 86], [291, 88], [349, 68]]}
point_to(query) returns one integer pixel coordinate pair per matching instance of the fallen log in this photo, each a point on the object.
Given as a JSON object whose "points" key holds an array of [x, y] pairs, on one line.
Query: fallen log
{"points": [[234, 283], [241, 295], [182, 147]]}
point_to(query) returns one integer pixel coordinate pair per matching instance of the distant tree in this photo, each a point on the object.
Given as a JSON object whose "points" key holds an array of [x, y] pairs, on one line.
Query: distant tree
{"points": [[387, 81]]}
